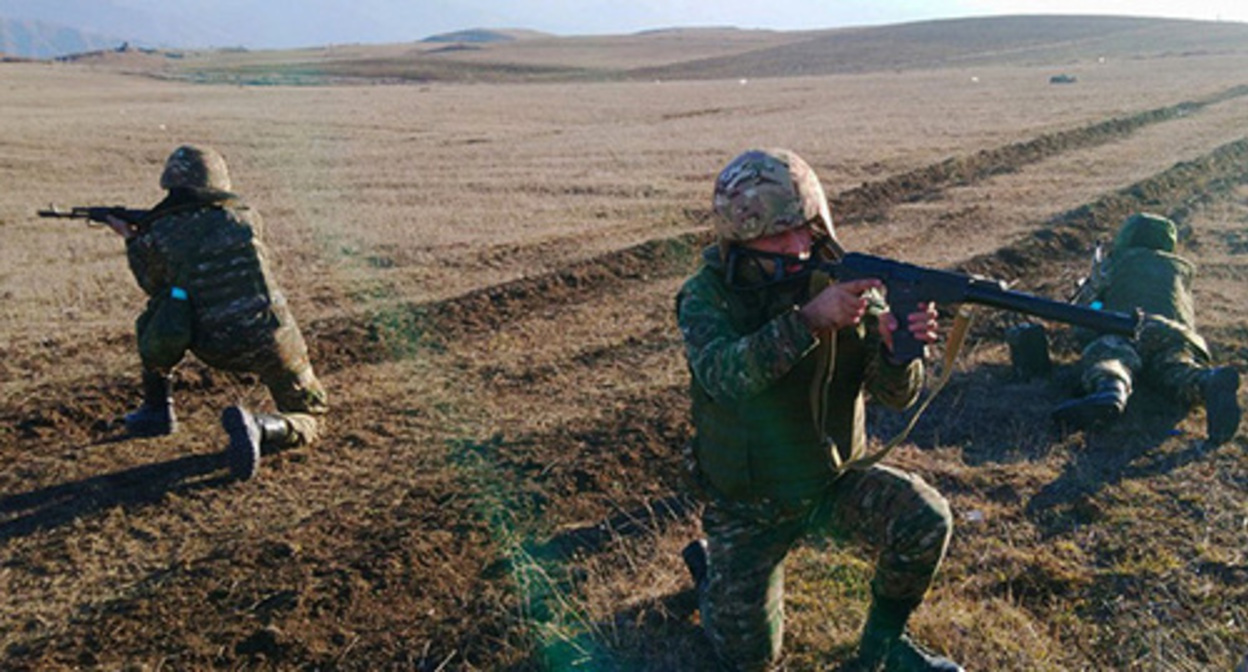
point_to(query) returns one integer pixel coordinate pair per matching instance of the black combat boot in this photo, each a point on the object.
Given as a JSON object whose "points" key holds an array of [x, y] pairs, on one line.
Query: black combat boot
{"points": [[1219, 388], [155, 416], [1101, 407], [885, 646], [695, 555], [251, 435]]}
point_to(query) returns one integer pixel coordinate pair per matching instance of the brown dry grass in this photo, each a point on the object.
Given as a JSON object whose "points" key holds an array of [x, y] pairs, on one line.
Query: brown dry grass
{"points": [[485, 273]]}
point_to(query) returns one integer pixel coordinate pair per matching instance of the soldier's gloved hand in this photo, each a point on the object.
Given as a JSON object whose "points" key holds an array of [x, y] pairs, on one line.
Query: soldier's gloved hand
{"points": [[838, 305], [922, 323]]}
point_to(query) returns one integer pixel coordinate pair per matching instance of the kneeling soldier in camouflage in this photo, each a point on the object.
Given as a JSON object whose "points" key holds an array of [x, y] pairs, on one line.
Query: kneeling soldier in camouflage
{"points": [[780, 360], [199, 257], [1144, 272]]}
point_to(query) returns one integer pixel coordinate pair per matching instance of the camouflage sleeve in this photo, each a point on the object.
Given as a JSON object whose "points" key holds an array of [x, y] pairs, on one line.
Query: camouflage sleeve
{"points": [[731, 365], [896, 386], [146, 264]]}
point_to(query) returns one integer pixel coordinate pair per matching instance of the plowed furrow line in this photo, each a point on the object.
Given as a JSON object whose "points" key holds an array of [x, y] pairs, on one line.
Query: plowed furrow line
{"points": [[871, 201], [407, 329], [397, 331], [1040, 257]]}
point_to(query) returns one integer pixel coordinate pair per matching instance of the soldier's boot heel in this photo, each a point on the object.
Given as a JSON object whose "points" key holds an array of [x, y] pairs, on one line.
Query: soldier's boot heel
{"points": [[252, 435], [1220, 391], [155, 417], [242, 455], [1101, 407], [151, 421], [885, 646], [905, 656]]}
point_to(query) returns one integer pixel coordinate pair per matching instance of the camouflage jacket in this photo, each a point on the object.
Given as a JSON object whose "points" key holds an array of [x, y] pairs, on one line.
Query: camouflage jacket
{"points": [[1142, 272], [757, 383], [209, 244]]}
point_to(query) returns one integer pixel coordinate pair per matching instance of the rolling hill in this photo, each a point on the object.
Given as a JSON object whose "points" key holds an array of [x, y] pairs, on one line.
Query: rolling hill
{"points": [[41, 40], [726, 53]]}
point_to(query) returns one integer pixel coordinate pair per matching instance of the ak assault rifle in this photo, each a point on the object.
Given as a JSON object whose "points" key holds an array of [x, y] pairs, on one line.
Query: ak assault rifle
{"points": [[909, 285], [97, 214]]}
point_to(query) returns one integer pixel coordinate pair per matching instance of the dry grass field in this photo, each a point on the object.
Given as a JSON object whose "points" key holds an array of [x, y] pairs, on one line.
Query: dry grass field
{"points": [[483, 262]]}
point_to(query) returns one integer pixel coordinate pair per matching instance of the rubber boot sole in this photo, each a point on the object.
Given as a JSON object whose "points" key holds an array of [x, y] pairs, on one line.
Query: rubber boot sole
{"points": [[242, 455], [1088, 412], [1222, 412], [141, 424]]}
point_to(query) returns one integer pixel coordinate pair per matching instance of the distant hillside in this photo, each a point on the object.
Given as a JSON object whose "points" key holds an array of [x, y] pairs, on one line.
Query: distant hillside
{"points": [[1011, 39], [209, 24], [493, 55], [484, 35], [36, 39]]}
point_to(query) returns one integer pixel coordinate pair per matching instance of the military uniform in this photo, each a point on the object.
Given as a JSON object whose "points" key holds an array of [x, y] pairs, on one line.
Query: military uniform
{"points": [[777, 408], [200, 258], [1143, 272], [208, 243]]}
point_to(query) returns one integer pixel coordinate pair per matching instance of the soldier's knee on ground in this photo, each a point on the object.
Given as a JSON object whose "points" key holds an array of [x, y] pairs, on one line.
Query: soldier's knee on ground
{"points": [[754, 661], [305, 429], [743, 639]]}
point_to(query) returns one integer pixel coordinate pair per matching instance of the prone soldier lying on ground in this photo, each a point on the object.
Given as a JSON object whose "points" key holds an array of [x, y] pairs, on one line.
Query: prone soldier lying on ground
{"points": [[199, 256], [1143, 272]]}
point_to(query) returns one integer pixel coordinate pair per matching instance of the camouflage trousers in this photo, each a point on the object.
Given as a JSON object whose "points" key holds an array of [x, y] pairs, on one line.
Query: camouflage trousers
{"points": [[1164, 359], [283, 366], [300, 399], [893, 515]]}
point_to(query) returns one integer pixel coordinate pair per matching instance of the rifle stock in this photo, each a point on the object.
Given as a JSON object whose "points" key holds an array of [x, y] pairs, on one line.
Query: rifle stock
{"points": [[909, 285]]}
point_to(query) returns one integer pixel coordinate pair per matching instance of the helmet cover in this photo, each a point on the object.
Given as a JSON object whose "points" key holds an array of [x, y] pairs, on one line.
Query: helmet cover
{"points": [[197, 168], [764, 192]]}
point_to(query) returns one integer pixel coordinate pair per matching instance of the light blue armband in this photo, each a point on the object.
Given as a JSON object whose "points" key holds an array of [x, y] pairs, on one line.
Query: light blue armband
{"points": [[1097, 305], [178, 293]]}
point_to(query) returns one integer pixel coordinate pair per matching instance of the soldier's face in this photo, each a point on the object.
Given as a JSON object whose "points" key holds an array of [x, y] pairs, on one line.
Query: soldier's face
{"points": [[792, 243]]}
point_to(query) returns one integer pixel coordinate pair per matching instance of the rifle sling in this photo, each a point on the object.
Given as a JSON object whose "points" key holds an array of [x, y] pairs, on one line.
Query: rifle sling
{"points": [[957, 337]]}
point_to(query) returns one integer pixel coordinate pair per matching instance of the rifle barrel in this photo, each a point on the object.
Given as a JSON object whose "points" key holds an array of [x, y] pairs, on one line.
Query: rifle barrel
{"points": [[1105, 321]]}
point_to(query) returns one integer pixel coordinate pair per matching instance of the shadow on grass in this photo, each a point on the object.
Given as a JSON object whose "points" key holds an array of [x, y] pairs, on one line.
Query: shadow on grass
{"points": [[1144, 443], [984, 411], [996, 420], [24, 514], [656, 635], [652, 517]]}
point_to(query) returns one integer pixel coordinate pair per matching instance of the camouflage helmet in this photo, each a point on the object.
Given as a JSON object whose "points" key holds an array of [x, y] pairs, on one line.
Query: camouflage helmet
{"points": [[195, 167], [1148, 230], [763, 192]]}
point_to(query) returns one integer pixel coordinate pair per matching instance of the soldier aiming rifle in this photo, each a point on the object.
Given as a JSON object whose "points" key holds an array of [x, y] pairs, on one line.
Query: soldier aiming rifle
{"points": [[780, 363], [200, 258]]}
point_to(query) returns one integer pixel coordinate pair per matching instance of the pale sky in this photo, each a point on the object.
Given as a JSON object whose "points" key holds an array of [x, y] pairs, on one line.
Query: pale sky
{"points": [[297, 23]]}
